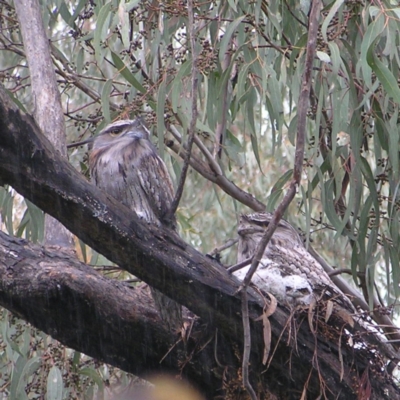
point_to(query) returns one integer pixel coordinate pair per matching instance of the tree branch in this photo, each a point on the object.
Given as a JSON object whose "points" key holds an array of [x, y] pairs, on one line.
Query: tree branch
{"points": [[159, 257], [298, 160], [39, 282], [193, 120], [214, 176], [47, 108], [300, 139], [48, 113]]}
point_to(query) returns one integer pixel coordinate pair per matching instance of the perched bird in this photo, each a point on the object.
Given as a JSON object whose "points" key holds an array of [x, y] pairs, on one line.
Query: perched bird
{"points": [[124, 163], [287, 270]]}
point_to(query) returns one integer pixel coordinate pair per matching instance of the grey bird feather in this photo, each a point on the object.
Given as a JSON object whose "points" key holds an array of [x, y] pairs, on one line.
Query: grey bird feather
{"points": [[125, 164], [290, 273], [287, 270]]}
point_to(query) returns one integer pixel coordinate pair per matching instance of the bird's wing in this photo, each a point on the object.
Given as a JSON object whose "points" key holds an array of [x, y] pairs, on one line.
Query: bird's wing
{"points": [[156, 183], [298, 261]]}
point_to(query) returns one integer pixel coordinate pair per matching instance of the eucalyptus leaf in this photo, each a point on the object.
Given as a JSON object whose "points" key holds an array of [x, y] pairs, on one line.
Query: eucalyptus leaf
{"points": [[55, 384], [105, 100], [124, 71], [101, 30], [227, 37]]}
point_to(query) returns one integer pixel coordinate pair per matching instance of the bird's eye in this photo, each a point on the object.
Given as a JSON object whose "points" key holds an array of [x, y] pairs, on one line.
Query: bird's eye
{"points": [[115, 132], [263, 224]]}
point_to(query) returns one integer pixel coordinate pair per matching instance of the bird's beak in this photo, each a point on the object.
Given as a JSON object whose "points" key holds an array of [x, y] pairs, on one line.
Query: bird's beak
{"points": [[76, 144], [135, 134]]}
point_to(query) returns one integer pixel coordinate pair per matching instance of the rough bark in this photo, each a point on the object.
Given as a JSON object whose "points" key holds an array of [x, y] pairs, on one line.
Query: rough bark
{"points": [[46, 106], [47, 109], [159, 257], [106, 319]]}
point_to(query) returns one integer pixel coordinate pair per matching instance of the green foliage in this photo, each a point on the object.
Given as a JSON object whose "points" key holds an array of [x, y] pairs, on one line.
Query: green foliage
{"points": [[20, 217], [128, 58], [32, 365]]}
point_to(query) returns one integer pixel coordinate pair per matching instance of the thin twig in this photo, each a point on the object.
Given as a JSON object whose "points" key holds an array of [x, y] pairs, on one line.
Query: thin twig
{"points": [[242, 264], [225, 246], [289, 8], [211, 161], [355, 295], [298, 165], [68, 74], [340, 271], [300, 140], [209, 172], [192, 127], [216, 350], [381, 302], [247, 347]]}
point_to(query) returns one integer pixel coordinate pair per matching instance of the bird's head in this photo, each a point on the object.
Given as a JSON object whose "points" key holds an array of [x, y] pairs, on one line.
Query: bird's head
{"points": [[254, 225], [121, 133]]}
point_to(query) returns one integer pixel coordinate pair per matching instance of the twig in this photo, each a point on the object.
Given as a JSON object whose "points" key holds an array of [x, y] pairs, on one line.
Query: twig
{"points": [[225, 246], [298, 165], [289, 8], [238, 266], [381, 302], [216, 350], [211, 161], [70, 76], [339, 272], [12, 48], [213, 176], [247, 347], [300, 140], [192, 127], [89, 120]]}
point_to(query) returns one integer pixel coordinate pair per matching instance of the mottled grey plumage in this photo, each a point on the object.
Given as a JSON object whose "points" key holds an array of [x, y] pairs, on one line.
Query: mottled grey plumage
{"points": [[125, 164], [287, 270]]}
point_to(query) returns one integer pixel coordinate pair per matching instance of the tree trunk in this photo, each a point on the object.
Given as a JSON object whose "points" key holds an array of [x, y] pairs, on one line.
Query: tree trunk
{"points": [[48, 112]]}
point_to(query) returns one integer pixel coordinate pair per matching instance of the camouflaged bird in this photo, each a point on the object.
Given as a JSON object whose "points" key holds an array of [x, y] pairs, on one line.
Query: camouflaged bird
{"points": [[124, 163], [287, 270]]}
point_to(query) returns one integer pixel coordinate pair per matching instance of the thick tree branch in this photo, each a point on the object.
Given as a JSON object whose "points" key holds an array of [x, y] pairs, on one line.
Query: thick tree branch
{"points": [[103, 318], [158, 256], [100, 317]]}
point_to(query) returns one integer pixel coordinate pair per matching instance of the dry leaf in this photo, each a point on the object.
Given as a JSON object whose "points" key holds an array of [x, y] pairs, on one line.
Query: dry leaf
{"points": [[267, 338], [345, 316], [329, 309], [272, 306], [269, 309], [341, 357], [311, 315]]}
